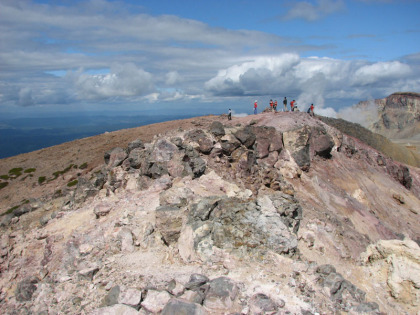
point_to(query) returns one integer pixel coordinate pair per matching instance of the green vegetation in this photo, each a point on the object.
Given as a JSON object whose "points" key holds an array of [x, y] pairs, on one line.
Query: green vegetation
{"points": [[10, 210], [5, 177], [83, 166], [72, 183], [15, 172], [58, 173], [29, 170], [3, 184], [41, 179]]}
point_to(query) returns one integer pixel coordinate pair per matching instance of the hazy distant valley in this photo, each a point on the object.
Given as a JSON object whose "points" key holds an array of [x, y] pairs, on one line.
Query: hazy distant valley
{"points": [[22, 135]]}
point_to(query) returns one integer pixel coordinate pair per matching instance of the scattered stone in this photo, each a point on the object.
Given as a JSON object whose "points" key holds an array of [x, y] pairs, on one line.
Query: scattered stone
{"points": [[262, 304], [221, 294], [155, 301], [117, 309], [115, 157], [101, 210], [26, 288], [180, 307], [88, 273], [196, 281]]}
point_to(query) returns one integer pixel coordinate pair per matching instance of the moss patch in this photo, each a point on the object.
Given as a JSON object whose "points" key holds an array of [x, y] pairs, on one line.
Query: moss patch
{"points": [[72, 183]]}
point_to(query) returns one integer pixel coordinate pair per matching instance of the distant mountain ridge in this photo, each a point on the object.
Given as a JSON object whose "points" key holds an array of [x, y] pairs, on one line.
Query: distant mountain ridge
{"points": [[398, 115]]}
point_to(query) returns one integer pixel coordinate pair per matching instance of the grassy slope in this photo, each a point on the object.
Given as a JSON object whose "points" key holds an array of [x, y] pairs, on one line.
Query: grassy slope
{"points": [[396, 152]]}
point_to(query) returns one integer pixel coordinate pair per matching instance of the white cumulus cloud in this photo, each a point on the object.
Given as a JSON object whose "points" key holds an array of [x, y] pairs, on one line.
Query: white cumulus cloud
{"points": [[123, 80]]}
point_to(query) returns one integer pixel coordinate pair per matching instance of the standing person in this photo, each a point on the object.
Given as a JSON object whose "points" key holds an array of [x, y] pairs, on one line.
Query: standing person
{"points": [[230, 114], [275, 105], [271, 105], [311, 110], [255, 107], [285, 104], [292, 104]]}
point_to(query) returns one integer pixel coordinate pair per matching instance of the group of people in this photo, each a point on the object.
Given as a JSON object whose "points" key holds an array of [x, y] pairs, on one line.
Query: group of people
{"points": [[293, 107], [273, 106]]}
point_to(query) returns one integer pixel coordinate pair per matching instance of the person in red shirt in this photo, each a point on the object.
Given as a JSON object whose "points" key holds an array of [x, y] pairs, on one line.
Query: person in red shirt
{"points": [[312, 110], [292, 104], [255, 107], [275, 106], [271, 104]]}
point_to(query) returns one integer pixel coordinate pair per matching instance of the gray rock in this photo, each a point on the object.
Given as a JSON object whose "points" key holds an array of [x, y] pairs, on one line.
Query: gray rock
{"points": [[163, 151], [115, 157], [240, 226], [136, 144], [84, 190], [88, 273], [117, 309], [169, 222], [246, 136], [196, 281], [157, 170], [26, 288], [101, 210], [112, 296], [342, 291], [22, 210], [229, 144], [321, 143], [267, 140], [221, 294], [262, 304], [180, 307], [217, 129], [367, 307], [138, 157]]}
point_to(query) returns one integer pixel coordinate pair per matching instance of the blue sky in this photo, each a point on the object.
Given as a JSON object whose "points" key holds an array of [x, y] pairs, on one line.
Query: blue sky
{"points": [[203, 57]]}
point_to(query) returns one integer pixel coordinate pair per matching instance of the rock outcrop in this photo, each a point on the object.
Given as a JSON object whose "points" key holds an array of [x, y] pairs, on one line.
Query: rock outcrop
{"points": [[283, 214]]}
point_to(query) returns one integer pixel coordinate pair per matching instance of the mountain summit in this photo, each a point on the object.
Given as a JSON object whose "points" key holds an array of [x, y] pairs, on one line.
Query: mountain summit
{"points": [[276, 213]]}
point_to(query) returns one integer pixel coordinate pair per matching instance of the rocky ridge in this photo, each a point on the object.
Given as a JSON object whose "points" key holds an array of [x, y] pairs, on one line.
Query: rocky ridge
{"points": [[269, 214]]}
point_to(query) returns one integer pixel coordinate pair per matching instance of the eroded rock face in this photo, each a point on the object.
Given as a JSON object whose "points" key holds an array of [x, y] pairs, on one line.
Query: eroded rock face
{"points": [[400, 261]]}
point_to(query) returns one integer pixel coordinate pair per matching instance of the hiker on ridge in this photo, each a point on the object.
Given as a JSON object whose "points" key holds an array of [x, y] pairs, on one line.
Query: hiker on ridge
{"points": [[292, 105], [255, 107], [275, 106], [285, 104]]}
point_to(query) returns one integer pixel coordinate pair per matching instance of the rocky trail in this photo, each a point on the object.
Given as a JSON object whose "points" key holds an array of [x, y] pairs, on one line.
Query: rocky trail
{"points": [[276, 213]]}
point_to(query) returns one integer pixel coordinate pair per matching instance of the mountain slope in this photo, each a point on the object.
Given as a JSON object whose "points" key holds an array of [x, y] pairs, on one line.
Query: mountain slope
{"points": [[262, 214], [379, 142]]}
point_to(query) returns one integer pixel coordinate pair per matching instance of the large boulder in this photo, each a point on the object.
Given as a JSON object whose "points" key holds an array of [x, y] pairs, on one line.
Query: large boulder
{"points": [[217, 129], [243, 226], [246, 136], [267, 140]]}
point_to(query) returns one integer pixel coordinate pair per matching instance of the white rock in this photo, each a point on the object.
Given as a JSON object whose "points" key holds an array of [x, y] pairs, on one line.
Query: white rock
{"points": [[155, 301]]}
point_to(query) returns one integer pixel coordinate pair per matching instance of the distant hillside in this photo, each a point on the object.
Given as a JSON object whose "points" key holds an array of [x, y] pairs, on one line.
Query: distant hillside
{"points": [[398, 115], [395, 151]]}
